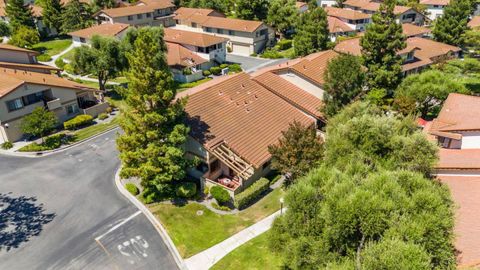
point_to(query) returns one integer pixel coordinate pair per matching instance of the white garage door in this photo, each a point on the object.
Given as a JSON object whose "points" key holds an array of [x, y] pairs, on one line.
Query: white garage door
{"points": [[241, 49]]}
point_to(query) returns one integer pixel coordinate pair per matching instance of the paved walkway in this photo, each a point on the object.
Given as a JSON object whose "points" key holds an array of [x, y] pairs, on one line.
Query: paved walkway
{"points": [[206, 259]]}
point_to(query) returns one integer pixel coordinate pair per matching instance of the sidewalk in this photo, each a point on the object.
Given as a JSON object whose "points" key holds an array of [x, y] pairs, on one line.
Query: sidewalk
{"points": [[206, 259]]}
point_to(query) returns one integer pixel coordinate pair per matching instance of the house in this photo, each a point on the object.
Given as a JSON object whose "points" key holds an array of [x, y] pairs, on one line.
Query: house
{"points": [[474, 23], [185, 65], [233, 120], [434, 7], [326, 3], [418, 54], [143, 13], [244, 37], [301, 6], [337, 27], [13, 57], [457, 131], [114, 30], [404, 14], [37, 17], [412, 30], [22, 91], [354, 19]]}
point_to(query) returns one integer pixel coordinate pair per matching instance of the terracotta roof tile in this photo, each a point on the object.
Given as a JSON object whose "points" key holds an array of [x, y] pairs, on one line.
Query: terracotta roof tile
{"points": [[459, 113], [474, 22], [435, 2], [27, 66], [336, 25], [105, 29], [411, 30], [299, 4], [374, 6], [178, 55], [4, 46], [191, 38], [240, 112], [458, 159], [185, 12], [138, 9], [349, 46], [346, 13]]}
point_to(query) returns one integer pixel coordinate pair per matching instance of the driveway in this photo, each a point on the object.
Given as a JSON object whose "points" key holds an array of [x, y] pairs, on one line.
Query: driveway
{"points": [[63, 211], [250, 64]]}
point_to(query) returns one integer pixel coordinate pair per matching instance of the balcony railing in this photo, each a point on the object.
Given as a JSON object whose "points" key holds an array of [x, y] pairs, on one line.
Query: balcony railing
{"points": [[54, 104]]}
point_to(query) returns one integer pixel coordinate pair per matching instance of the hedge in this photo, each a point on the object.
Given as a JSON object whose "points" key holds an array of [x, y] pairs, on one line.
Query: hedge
{"points": [[216, 70], [186, 190], [206, 73], [284, 44], [132, 188], [78, 121], [251, 193], [220, 194], [7, 145], [234, 68]]}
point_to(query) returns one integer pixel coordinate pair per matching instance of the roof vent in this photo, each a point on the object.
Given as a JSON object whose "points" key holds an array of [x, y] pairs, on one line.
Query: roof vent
{"points": [[256, 97], [220, 92], [243, 85], [304, 67], [247, 110], [246, 102], [236, 103]]}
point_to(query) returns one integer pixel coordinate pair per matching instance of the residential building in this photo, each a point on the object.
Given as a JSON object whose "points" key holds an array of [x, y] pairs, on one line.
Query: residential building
{"points": [[233, 120], [474, 23], [326, 3], [434, 7], [354, 19], [22, 91], [337, 27], [114, 30], [404, 14], [143, 13], [13, 57], [301, 6], [412, 30], [244, 36], [418, 55], [186, 66]]}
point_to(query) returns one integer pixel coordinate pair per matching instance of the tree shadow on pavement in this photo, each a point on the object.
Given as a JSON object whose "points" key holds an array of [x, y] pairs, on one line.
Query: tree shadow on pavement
{"points": [[20, 219]]}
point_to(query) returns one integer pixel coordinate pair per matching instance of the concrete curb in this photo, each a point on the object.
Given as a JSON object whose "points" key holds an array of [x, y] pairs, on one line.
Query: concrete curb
{"points": [[158, 226], [50, 152]]}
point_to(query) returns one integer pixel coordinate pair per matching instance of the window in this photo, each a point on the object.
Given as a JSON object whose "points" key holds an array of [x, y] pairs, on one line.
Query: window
{"points": [[15, 104], [130, 18], [82, 40], [219, 45], [220, 31], [231, 32], [435, 6], [209, 30], [214, 166], [72, 108], [194, 25], [32, 98], [265, 165], [201, 49], [149, 15], [139, 16]]}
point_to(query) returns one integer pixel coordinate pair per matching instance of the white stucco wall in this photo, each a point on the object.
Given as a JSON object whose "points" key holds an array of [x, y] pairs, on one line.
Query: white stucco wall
{"points": [[471, 140], [303, 84], [434, 12]]}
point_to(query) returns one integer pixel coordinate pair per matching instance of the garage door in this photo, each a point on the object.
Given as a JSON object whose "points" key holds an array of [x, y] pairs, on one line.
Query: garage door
{"points": [[241, 49]]}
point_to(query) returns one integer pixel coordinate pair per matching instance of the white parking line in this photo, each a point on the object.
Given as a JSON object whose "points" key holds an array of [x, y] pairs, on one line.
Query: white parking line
{"points": [[118, 225]]}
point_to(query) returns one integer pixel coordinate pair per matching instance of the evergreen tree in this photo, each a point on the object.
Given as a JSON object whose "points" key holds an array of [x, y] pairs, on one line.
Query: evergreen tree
{"points": [[5, 29], [52, 14], [312, 32], [75, 16], [452, 25], [151, 147], [380, 44], [19, 14], [251, 9], [24, 37], [282, 15]]}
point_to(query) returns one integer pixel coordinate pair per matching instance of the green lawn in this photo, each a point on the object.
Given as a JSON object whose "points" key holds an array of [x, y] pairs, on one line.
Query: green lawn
{"points": [[193, 233], [69, 55], [92, 130], [253, 255], [88, 83], [52, 47], [184, 86]]}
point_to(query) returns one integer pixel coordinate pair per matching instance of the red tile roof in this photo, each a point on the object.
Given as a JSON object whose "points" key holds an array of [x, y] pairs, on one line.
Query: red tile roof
{"points": [[105, 29], [138, 9], [240, 112], [474, 22], [27, 66], [459, 113], [191, 38], [435, 2], [4, 46], [336, 25], [346, 13], [411, 30], [178, 55], [458, 159], [374, 6]]}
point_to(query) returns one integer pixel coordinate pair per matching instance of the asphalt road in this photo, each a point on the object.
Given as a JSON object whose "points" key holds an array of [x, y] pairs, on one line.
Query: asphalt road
{"points": [[63, 211]]}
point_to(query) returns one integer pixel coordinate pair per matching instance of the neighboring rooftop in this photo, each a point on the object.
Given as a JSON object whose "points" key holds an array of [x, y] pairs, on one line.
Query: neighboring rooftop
{"points": [[180, 56], [435, 2], [185, 12], [458, 159], [459, 113], [4, 46], [105, 29], [346, 13], [191, 38], [374, 6], [411, 30], [238, 111], [474, 22], [299, 4], [27, 66], [336, 25], [137, 9]]}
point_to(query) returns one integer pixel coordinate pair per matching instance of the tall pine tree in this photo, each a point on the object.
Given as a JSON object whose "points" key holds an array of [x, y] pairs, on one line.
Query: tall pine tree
{"points": [[452, 25], [151, 147], [380, 44], [312, 32], [251, 9], [75, 16], [282, 15], [52, 14], [19, 14]]}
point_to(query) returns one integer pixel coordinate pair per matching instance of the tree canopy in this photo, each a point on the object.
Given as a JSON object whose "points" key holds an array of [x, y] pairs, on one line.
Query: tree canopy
{"points": [[52, 14], [425, 93], [380, 45], [151, 147], [24, 37], [76, 16], [282, 15], [219, 5], [39, 122], [5, 29], [311, 32], [344, 82], [19, 14], [452, 25], [251, 9]]}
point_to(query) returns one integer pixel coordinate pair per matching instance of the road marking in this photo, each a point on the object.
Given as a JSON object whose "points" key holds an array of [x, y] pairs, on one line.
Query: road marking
{"points": [[119, 224], [108, 253]]}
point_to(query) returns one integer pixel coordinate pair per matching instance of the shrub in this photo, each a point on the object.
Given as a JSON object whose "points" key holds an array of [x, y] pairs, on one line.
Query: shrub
{"points": [[60, 63], [132, 188], [215, 70], [7, 145], [251, 193], [284, 44], [186, 190], [271, 54], [206, 73], [229, 49], [222, 66], [187, 71], [50, 143], [78, 121], [69, 69], [253, 55], [206, 190], [220, 194], [220, 207], [109, 109], [235, 68], [102, 116], [44, 58]]}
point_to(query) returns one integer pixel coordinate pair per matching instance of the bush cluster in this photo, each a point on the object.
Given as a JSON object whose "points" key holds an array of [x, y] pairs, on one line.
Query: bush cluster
{"points": [[220, 194], [271, 54], [216, 70], [132, 188], [60, 63], [78, 121], [7, 145], [220, 207], [102, 116], [44, 58], [186, 190], [50, 143], [206, 73], [284, 44], [235, 68], [251, 193]]}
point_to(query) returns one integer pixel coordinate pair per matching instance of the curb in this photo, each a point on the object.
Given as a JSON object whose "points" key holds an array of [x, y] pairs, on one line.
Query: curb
{"points": [[49, 152], [158, 226]]}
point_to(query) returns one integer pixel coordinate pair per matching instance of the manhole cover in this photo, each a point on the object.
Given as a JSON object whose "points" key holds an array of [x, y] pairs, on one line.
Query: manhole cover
{"points": [[199, 212]]}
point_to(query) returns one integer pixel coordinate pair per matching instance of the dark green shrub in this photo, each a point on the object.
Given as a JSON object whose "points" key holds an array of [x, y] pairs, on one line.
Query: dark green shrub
{"points": [[59, 63], [102, 116], [109, 109], [78, 121], [7, 145], [44, 58], [254, 54], [186, 190], [251, 193], [284, 44], [220, 194], [206, 73], [229, 49], [271, 54], [235, 68], [132, 188], [215, 70], [187, 71], [50, 143], [220, 207], [222, 66]]}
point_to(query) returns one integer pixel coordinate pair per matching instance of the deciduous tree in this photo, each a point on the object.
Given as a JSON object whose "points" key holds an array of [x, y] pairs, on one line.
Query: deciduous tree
{"points": [[282, 15], [39, 122], [251, 9], [312, 32], [344, 82], [452, 25], [75, 16], [151, 147], [19, 14], [52, 14], [5, 29], [24, 37]]}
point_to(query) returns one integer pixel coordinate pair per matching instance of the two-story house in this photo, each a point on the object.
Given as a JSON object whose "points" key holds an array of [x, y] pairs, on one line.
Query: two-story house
{"points": [[23, 59], [143, 13], [404, 14], [244, 36], [114, 30], [434, 8], [354, 19]]}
